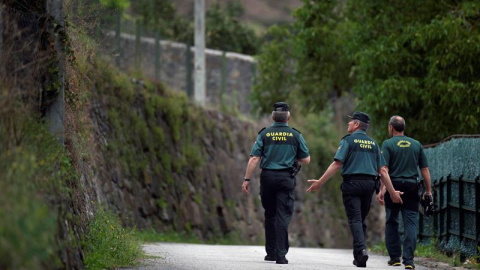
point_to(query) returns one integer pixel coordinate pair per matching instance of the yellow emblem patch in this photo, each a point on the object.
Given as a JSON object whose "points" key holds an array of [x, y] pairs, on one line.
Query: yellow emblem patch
{"points": [[403, 144]]}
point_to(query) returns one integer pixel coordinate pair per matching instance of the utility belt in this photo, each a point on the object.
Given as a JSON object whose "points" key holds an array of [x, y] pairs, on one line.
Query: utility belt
{"points": [[293, 170], [347, 177], [277, 170], [405, 179]]}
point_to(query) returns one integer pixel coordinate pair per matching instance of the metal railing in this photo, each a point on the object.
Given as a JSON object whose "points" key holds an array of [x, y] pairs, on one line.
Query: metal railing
{"points": [[455, 225]]}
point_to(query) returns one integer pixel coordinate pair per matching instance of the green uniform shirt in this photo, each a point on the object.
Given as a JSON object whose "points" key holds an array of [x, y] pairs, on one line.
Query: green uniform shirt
{"points": [[279, 146], [359, 154], [403, 156]]}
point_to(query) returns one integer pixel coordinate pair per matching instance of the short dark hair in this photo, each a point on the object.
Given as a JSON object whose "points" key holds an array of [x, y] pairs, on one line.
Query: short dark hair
{"points": [[397, 122], [363, 126], [280, 116]]}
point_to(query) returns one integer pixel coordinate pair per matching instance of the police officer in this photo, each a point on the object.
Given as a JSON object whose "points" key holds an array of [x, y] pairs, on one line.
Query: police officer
{"points": [[403, 156], [360, 159], [277, 148]]}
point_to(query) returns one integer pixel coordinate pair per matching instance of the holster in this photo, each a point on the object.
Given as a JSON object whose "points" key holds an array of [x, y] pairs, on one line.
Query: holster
{"points": [[377, 184], [295, 168]]}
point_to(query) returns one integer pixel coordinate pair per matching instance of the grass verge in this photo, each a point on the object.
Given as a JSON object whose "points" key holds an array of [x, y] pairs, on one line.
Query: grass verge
{"points": [[429, 251]]}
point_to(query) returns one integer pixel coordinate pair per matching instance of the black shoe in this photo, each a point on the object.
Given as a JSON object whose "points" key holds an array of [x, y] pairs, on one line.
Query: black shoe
{"points": [[270, 258], [361, 261], [410, 266], [394, 262], [282, 260]]}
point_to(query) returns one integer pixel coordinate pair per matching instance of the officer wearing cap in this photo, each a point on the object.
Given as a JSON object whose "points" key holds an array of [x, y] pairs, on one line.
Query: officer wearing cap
{"points": [[360, 159], [277, 149], [404, 156]]}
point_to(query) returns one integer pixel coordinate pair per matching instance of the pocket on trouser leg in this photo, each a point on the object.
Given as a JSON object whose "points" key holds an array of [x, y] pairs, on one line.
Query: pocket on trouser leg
{"points": [[290, 202]]}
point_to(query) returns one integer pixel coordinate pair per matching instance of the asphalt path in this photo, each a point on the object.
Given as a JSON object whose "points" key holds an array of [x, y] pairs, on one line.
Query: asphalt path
{"points": [[174, 256]]}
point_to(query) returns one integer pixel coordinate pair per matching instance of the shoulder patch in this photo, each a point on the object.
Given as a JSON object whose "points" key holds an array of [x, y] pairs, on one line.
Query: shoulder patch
{"points": [[346, 136], [262, 130], [297, 130]]}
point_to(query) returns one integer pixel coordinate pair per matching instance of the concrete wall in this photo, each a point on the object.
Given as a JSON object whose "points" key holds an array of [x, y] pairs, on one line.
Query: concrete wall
{"points": [[141, 54]]}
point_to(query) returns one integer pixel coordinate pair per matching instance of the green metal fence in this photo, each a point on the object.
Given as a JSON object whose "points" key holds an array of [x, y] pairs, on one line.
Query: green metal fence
{"points": [[455, 169]]}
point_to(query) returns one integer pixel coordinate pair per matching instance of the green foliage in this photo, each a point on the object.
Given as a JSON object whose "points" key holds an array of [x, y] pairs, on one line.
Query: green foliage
{"points": [[160, 16], [155, 130], [322, 141], [108, 245], [34, 171], [303, 60], [421, 64], [116, 4], [412, 58], [224, 30]]}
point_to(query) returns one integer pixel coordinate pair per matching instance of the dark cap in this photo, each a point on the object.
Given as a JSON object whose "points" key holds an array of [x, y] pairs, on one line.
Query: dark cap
{"points": [[361, 116], [280, 107]]}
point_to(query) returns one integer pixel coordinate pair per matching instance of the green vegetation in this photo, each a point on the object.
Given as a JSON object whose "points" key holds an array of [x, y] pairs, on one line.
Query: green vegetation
{"points": [[139, 143], [224, 30], [429, 251], [322, 140], [108, 245], [35, 170], [413, 58]]}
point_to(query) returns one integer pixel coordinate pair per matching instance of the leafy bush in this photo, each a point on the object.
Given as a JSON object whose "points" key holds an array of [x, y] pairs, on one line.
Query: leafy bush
{"points": [[33, 175], [108, 244]]}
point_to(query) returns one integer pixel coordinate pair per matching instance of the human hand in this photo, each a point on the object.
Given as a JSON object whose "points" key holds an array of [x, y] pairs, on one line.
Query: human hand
{"points": [[396, 197], [380, 198], [245, 187], [427, 194], [314, 186]]}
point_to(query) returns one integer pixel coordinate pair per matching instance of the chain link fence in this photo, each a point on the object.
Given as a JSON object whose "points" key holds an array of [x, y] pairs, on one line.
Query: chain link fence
{"points": [[138, 50]]}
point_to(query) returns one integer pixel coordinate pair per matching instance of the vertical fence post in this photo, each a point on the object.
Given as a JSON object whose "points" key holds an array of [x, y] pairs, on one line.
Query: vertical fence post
{"points": [[436, 233], [253, 82], [442, 218], [461, 210], [158, 55], [200, 68], [118, 17], [188, 67], [449, 200], [138, 51], [223, 90], [420, 227], [477, 211]]}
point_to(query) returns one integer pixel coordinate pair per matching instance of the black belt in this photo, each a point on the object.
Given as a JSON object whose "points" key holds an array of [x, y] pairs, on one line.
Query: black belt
{"points": [[405, 179], [277, 170], [347, 177]]}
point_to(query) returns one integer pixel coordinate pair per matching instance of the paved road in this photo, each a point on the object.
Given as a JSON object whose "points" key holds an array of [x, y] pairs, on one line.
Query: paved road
{"points": [[172, 256]]}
